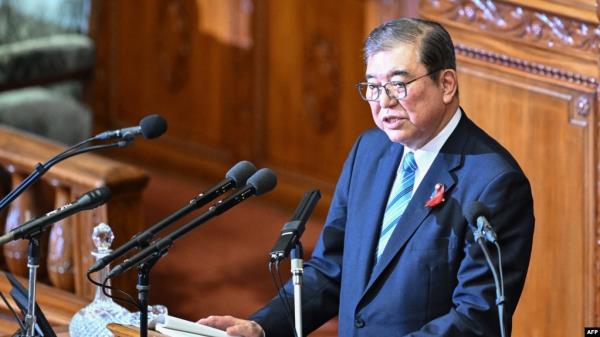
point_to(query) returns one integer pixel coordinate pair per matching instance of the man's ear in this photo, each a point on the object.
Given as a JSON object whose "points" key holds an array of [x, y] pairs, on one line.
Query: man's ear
{"points": [[449, 84]]}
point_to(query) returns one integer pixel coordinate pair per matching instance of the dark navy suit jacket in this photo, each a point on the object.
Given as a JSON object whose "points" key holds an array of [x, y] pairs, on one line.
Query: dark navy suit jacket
{"points": [[432, 279]]}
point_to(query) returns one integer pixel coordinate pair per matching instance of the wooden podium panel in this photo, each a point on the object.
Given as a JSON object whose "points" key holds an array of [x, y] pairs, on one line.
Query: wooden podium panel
{"points": [[120, 330]]}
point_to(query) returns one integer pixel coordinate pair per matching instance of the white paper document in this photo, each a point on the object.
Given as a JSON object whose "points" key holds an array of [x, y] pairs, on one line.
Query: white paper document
{"points": [[177, 327]]}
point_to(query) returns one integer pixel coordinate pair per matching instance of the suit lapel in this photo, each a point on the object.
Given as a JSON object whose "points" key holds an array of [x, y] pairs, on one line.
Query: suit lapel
{"points": [[376, 199]]}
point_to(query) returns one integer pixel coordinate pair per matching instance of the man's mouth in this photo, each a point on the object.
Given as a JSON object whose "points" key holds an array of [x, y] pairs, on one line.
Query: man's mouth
{"points": [[392, 121]]}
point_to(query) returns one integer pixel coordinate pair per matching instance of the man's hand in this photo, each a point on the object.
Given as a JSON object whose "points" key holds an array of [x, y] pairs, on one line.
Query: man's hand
{"points": [[234, 326]]}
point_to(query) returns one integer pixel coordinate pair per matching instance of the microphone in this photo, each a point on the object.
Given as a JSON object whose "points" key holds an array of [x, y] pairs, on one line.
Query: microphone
{"points": [[478, 213], [151, 126], [261, 182], [89, 200], [292, 230], [236, 177]]}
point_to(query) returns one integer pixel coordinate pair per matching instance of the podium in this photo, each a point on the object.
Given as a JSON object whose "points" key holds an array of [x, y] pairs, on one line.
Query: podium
{"points": [[120, 330]]}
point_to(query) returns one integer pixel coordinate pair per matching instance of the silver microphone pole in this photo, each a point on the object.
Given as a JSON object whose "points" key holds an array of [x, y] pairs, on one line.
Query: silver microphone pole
{"points": [[297, 274]]}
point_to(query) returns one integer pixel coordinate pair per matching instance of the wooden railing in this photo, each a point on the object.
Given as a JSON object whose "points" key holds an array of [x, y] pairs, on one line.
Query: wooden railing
{"points": [[57, 305], [67, 250]]}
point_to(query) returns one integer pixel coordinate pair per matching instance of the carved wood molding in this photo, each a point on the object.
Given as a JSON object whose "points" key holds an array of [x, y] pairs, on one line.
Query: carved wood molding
{"points": [[321, 85], [595, 256], [521, 24], [580, 110], [524, 65], [173, 42], [581, 103], [596, 251]]}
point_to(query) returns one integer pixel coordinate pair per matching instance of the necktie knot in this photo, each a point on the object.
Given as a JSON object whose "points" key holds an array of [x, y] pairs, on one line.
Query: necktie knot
{"points": [[409, 165]]}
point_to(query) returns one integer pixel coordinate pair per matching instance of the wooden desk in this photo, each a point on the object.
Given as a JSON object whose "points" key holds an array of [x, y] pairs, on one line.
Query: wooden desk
{"points": [[120, 330], [61, 331], [117, 329]]}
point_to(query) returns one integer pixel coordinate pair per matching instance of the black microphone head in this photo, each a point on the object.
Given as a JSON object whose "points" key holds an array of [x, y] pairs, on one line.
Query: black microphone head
{"points": [[94, 198], [475, 210], [263, 181], [153, 126], [240, 173]]}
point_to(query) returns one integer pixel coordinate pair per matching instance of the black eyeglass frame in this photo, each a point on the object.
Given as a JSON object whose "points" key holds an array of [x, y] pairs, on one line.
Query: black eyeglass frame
{"points": [[402, 85]]}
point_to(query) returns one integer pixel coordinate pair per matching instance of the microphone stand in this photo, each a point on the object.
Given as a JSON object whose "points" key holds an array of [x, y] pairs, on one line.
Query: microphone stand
{"points": [[143, 284], [289, 244], [33, 262], [297, 255], [143, 288], [479, 235]]}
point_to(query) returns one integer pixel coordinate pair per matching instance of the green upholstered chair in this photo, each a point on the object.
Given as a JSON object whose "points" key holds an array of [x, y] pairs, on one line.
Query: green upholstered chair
{"points": [[46, 58]]}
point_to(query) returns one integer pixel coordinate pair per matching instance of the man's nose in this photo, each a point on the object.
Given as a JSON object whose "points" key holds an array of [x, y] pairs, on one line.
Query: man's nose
{"points": [[385, 100]]}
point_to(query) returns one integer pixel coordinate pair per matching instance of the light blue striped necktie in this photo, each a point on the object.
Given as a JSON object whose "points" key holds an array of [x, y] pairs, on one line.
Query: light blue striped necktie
{"points": [[399, 198]]}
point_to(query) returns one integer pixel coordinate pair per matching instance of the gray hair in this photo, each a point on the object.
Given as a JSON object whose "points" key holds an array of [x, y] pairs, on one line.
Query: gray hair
{"points": [[436, 50]]}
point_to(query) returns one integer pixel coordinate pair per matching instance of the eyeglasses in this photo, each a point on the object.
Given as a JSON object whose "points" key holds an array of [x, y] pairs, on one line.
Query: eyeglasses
{"points": [[394, 89]]}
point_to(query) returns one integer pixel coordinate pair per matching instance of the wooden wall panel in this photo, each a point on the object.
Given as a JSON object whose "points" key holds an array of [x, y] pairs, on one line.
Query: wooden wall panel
{"points": [[189, 61], [528, 74], [533, 121], [272, 82], [379, 11], [267, 81], [313, 112]]}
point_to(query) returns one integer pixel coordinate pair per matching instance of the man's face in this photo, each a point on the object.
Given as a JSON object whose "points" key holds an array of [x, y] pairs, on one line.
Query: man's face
{"points": [[416, 119]]}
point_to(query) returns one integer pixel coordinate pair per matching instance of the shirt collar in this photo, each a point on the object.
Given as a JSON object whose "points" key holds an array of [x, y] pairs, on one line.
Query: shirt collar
{"points": [[427, 153]]}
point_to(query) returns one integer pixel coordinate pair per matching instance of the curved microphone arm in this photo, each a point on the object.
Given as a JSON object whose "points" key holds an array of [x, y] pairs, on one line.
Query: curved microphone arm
{"points": [[40, 169], [498, 282]]}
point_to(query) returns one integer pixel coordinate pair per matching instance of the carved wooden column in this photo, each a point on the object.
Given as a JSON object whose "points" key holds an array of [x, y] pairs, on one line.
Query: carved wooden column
{"points": [[60, 250], [22, 209]]}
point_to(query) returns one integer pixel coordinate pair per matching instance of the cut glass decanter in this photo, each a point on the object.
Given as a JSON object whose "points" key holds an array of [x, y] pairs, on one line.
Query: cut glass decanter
{"points": [[91, 321]]}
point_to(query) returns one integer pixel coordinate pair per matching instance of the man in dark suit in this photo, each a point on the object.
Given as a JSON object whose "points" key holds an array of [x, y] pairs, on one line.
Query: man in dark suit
{"points": [[396, 256]]}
